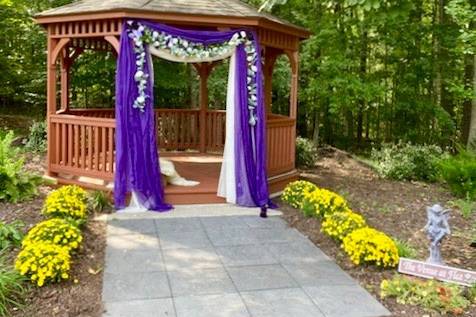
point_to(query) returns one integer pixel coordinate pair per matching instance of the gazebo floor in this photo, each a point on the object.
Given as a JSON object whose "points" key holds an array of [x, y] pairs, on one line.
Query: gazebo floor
{"points": [[204, 169]]}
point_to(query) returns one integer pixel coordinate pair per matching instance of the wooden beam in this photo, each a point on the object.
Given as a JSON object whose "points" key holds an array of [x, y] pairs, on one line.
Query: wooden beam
{"points": [[114, 42], [57, 50]]}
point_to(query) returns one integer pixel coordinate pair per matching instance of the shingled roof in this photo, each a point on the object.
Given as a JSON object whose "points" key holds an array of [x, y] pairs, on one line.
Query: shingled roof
{"points": [[219, 8]]}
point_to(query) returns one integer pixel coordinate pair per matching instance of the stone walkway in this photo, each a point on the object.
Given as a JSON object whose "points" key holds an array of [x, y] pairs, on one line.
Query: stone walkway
{"points": [[223, 261]]}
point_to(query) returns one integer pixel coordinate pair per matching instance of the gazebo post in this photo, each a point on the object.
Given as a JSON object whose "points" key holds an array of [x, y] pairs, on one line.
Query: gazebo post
{"points": [[294, 61], [50, 97], [204, 70], [65, 79]]}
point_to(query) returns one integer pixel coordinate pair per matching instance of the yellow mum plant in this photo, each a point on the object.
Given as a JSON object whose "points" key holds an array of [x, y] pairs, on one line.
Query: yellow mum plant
{"points": [[44, 262], [338, 225], [66, 202], [294, 193], [322, 202], [368, 245], [56, 231]]}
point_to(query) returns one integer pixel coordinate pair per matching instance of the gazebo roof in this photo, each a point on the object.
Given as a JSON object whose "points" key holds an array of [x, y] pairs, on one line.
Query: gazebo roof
{"points": [[205, 8]]}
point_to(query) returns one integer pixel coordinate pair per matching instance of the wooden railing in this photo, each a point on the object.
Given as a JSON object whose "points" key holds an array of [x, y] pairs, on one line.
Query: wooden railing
{"points": [[281, 144], [83, 141], [82, 146]]}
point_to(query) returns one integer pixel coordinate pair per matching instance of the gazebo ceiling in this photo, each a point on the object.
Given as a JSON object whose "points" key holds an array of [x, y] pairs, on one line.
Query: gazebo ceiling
{"points": [[218, 12]]}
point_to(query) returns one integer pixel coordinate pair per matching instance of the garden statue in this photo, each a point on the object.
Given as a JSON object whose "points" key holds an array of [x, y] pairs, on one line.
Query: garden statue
{"points": [[437, 228]]}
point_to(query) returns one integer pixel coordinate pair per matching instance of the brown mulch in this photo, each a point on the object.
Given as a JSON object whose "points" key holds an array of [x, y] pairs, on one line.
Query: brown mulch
{"points": [[396, 208], [81, 294]]}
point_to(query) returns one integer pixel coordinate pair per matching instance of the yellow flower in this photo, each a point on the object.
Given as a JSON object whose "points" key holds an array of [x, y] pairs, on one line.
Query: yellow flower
{"points": [[54, 231], [66, 202], [293, 193], [371, 246], [338, 225], [43, 262]]}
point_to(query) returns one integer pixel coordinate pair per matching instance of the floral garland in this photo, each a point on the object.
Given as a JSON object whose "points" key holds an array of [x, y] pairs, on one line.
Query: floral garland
{"points": [[179, 47]]}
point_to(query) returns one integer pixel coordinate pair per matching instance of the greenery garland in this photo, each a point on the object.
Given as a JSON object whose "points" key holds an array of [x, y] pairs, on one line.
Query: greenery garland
{"points": [[184, 49]]}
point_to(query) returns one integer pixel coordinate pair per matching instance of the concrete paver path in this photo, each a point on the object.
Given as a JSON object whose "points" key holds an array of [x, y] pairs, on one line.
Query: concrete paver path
{"points": [[225, 261]]}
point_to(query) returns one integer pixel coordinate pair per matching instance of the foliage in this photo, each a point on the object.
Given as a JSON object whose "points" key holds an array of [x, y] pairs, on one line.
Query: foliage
{"points": [[460, 173], [44, 262], [56, 231], [68, 202], [99, 201], [11, 287], [340, 224], [405, 250], [431, 295], [11, 234], [294, 192], [15, 184], [466, 206], [407, 161], [36, 141], [368, 245], [306, 153], [321, 202]]}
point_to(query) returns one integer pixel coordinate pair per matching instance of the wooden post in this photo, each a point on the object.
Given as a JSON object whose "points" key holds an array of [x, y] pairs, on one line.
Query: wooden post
{"points": [[270, 57], [294, 60], [204, 72], [50, 99], [65, 82]]}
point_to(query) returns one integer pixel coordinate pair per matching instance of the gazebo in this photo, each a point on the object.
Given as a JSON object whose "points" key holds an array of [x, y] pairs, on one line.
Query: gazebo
{"points": [[82, 142]]}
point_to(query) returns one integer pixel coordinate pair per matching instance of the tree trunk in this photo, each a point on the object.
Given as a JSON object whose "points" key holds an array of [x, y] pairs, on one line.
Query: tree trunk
{"points": [[363, 71], [468, 135], [315, 135]]}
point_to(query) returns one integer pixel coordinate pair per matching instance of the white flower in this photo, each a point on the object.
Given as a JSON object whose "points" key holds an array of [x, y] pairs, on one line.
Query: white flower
{"points": [[140, 100], [139, 75], [243, 34]]}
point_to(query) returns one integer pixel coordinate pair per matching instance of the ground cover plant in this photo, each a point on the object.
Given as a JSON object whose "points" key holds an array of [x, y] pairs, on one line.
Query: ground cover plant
{"points": [[433, 296], [11, 234], [15, 183], [12, 287]]}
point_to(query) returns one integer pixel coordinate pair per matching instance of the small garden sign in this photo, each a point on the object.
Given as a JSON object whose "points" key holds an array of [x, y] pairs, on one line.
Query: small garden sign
{"points": [[439, 272]]}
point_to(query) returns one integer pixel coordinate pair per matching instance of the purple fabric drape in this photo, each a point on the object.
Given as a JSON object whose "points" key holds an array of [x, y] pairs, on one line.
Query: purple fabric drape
{"points": [[137, 158], [137, 167]]}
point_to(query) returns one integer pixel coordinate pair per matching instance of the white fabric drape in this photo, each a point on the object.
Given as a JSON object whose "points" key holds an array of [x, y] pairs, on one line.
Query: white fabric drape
{"points": [[227, 183], [167, 56]]}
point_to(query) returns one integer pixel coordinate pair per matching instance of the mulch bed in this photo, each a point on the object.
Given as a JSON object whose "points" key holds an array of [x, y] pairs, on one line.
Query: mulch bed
{"points": [[81, 294], [396, 208]]}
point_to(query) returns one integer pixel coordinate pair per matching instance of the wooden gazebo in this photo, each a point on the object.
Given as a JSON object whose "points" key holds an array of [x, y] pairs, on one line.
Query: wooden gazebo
{"points": [[81, 141]]}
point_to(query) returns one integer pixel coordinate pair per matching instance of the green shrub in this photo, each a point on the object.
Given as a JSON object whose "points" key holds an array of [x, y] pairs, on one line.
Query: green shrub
{"points": [[99, 201], [15, 184], [36, 141], [306, 153], [12, 290], [11, 234], [405, 250], [407, 161], [459, 172], [466, 206]]}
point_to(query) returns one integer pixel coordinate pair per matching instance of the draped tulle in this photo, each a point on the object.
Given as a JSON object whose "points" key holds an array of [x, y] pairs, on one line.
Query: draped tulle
{"points": [[137, 160]]}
